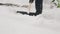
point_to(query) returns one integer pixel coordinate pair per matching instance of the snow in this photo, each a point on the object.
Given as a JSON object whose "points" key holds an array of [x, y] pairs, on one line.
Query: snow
{"points": [[12, 23]]}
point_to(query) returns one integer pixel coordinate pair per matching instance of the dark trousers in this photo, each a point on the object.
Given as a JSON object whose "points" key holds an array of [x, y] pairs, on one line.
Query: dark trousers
{"points": [[38, 6]]}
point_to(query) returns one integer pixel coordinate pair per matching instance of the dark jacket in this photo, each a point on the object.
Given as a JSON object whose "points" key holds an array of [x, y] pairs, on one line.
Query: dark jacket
{"points": [[31, 1]]}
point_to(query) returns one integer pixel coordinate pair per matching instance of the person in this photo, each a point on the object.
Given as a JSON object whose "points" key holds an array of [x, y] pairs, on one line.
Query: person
{"points": [[38, 6]]}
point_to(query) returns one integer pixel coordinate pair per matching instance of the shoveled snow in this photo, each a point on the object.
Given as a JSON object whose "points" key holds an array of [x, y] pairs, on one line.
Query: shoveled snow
{"points": [[46, 23]]}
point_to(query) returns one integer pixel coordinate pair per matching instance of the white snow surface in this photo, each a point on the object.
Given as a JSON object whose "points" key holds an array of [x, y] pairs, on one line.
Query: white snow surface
{"points": [[46, 23]]}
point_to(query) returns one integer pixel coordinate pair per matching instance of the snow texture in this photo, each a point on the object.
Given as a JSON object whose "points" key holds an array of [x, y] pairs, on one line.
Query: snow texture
{"points": [[12, 23]]}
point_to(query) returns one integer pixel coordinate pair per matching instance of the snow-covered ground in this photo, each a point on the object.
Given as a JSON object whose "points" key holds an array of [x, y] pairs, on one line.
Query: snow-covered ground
{"points": [[12, 23]]}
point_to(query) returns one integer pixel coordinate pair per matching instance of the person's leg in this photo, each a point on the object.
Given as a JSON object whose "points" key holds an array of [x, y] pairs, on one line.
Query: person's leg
{"points": [[38, 6]]}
